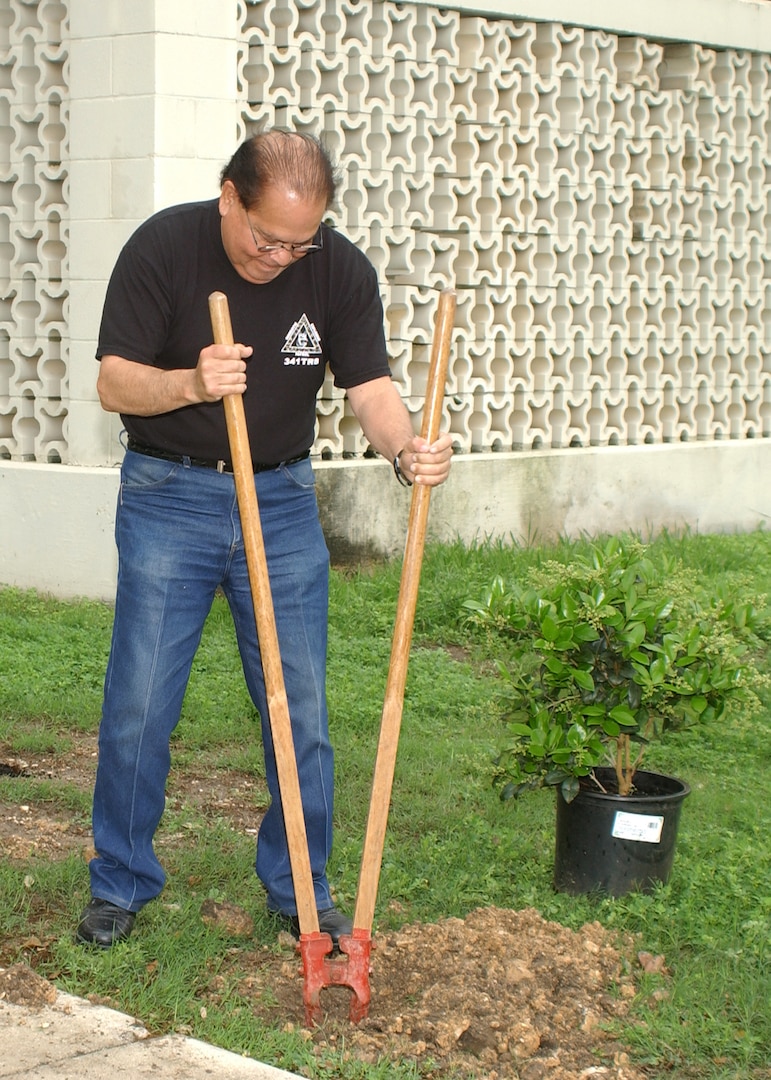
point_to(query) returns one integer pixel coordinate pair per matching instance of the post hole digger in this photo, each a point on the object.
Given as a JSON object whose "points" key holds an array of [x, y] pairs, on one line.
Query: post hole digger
{"points": [[351, 967]]}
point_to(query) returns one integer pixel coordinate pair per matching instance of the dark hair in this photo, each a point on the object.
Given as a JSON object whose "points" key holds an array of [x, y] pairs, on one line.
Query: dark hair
{"points": [[287, 159]]}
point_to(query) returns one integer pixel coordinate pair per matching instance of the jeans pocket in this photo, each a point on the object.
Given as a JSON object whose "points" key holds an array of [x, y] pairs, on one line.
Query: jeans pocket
{"points": [[141, 471], [300, 474]]}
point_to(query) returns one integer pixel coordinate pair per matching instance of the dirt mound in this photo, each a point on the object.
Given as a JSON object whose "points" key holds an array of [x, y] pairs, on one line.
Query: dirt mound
{"points": [[499, 994]]}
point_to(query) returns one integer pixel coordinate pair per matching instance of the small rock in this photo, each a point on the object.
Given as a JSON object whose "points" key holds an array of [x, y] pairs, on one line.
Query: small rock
{"points": [[517, 971], [524, 1040], [652, 965]]}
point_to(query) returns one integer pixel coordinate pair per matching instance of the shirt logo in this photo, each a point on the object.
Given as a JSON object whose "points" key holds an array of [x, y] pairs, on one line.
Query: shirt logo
{"points": [[302, 344]]}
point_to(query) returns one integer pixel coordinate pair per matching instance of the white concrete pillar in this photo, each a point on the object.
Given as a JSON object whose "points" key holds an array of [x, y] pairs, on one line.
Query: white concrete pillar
{"points": [[153, 117]]}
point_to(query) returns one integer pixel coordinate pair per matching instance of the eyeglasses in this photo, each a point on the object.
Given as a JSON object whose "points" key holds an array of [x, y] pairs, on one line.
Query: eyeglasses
{"points": [[295, 250]]}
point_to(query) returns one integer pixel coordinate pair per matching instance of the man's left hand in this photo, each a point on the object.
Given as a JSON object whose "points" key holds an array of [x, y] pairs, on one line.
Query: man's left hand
{"points": [[426, 463]]}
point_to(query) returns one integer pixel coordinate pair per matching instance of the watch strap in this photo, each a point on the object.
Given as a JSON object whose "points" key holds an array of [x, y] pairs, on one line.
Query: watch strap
{"points": [[398, 471]]}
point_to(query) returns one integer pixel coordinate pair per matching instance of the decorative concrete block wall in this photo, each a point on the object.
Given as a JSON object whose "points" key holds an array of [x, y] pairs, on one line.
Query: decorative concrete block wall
{"points": [[33, 232], [600, 201]]}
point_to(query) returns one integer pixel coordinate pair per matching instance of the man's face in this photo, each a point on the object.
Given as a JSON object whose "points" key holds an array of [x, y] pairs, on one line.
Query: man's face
{"points": [[283, 217]]}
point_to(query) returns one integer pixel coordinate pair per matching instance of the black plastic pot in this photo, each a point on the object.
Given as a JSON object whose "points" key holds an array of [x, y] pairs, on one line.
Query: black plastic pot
{"points": [[618, 843]]}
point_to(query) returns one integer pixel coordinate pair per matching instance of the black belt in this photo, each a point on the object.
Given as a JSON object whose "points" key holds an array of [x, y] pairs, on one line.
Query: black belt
{"points": [[206, 463]]}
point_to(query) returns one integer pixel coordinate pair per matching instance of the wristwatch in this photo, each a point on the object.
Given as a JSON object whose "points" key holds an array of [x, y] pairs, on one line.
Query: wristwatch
{"points": [[398, 471]]}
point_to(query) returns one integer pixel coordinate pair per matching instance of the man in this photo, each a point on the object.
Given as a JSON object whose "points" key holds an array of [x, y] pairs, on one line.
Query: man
{"points": [[301, 297]]}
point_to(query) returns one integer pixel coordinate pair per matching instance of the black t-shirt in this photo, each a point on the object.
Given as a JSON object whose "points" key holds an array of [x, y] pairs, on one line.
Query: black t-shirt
{"points": [[322, 309]]}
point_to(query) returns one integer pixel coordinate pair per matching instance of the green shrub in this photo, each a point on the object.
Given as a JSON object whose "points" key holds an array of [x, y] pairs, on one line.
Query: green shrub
{"points": [[614, 648]]}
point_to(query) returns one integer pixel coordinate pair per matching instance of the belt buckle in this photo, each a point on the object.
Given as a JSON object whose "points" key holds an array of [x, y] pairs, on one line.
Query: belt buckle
{"points": [[221, 466]]}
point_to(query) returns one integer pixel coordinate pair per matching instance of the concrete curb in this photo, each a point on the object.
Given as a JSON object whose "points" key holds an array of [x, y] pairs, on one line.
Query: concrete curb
{"points": [[71, 1039]]}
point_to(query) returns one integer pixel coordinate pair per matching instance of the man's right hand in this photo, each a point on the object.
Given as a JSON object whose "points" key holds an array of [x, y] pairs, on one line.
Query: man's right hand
{"points": [[221, 370]]}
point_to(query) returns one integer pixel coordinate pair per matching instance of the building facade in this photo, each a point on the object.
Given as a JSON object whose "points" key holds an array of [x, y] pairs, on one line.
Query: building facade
{"points": [[595, 183]]}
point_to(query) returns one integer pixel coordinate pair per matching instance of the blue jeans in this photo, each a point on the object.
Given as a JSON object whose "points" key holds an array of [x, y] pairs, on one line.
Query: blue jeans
{"points": [[179, 538]]}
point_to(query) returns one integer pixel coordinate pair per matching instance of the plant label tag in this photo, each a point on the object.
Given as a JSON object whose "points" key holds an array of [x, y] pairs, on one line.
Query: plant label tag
{"points": [[643, 827]]}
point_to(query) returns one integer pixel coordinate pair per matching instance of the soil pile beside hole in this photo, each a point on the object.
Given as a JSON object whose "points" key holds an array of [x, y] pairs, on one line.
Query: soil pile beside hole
{"points": [[499, 995]]}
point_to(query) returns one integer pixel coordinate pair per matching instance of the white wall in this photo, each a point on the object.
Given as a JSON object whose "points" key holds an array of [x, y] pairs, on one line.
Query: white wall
{"points": [[57, 529]]}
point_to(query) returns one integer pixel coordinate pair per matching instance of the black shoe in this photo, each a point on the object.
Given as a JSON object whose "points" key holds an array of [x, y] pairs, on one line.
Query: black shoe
{"points": [[331, 921], [103, 923]]}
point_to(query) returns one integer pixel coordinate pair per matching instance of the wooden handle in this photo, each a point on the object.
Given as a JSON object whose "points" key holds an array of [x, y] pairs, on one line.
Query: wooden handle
{"points": [[390, 724], [278, 708]]}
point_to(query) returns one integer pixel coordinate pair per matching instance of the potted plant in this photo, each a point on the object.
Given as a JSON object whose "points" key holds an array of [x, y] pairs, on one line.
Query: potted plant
{"points": [[613, 649]]}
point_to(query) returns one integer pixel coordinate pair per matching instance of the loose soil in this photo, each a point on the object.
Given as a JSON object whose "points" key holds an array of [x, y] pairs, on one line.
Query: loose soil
{"points": [[498, 995]]}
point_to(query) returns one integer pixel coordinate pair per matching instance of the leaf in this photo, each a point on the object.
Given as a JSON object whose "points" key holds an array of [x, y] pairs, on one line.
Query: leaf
{"points": [[658, 670], [577, 736], [555, 665], [634, 635], [623, 716], [570, 788], [549, 628], [583, 679], [665, 610]]}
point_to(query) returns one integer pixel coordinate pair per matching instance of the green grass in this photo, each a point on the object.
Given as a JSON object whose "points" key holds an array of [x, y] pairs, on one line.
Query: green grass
{"points": [[451, 844]]}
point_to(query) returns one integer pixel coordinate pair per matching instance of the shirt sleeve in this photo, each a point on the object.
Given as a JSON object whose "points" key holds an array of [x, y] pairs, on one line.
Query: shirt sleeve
{"points": [[356, 337], [137, 307]]}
